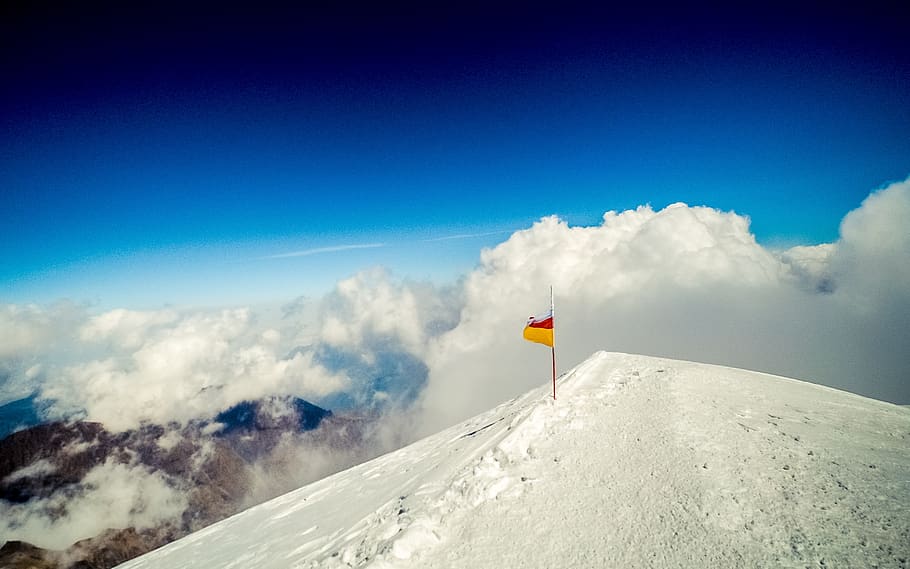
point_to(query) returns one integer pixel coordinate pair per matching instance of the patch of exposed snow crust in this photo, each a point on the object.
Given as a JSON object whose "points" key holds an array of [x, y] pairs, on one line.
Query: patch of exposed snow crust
{"points": [[640, 462]]}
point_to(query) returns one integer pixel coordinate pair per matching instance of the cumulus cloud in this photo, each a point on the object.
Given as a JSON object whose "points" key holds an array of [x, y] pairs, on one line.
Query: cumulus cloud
{"points": [[372, 308], [30, 336], [163, 366], [377, 330], [361, 345], [685, 282], [112, 495], [25, 330], [810, 266], [872, 260], [125, 367], [125, 328], [369, 306]]}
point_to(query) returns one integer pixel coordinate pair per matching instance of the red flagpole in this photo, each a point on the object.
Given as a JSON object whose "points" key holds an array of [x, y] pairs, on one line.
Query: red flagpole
{"points": [[553, 347], [554, 374]]}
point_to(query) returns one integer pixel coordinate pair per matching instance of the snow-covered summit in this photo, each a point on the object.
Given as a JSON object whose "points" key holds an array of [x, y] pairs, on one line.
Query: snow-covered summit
{"points": [[640, 462]]}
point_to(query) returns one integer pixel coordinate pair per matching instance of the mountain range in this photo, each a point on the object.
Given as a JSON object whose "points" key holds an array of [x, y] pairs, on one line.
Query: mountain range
{"points": [[247, 453]]}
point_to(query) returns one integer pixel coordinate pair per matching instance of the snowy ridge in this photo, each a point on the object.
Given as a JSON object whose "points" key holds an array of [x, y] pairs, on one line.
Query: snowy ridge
{"points": [[641, 461]]}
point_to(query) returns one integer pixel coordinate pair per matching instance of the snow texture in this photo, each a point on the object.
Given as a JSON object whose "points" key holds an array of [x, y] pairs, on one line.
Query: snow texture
{"points": [[641, 462]]}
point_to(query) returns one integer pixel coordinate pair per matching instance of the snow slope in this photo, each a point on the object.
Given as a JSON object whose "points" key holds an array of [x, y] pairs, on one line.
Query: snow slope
{"points": [[641, 462]]}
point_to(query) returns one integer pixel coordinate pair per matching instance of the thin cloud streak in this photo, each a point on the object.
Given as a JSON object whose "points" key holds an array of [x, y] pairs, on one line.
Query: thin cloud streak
{"points": [[468, 235], [321, 250]]}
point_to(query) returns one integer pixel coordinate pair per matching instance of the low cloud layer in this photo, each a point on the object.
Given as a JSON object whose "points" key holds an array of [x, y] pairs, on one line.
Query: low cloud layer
{"points": [[685, 282], [112, 495], [361, 346], [162, 366]]}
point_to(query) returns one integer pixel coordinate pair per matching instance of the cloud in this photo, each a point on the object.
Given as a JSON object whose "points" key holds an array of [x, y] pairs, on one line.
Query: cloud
{"points": [[365, 341], [163, 366], [125, 328], [298, 460], [371, 308], [377, 329], [30, 336], [686, 282], [468, 235], [24, 327], [872, 260], [810, 266], [321, 250], [112, 495]]}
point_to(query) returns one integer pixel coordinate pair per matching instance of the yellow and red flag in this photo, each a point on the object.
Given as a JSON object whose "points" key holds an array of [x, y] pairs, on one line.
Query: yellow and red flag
{"points": [[540, 329]]}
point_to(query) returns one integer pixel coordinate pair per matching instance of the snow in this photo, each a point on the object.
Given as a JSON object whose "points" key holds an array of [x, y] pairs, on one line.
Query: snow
{"points": [[640, 462]]}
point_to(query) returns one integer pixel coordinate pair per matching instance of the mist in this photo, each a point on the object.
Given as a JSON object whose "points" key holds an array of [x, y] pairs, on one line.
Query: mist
{"points": [[111, 495]]}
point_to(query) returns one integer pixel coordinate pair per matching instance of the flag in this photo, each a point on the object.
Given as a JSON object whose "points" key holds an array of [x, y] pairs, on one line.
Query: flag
{"points": [[540, 329]]}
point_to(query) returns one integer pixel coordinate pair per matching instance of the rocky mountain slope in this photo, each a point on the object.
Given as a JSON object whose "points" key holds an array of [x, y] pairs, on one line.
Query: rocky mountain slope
{"points": [[215, 467]]}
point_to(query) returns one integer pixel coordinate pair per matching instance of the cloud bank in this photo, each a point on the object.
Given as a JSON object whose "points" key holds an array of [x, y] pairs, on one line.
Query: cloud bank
{"points": [[686, 282], [163, 367], [691, 283], [361, 346], [124, 368]]}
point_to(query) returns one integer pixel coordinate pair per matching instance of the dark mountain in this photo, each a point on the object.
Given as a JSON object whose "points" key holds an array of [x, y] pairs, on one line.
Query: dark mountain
{"points": [[214, 462], [252, 416], [21, 555], [46, 442], [108, 549]]}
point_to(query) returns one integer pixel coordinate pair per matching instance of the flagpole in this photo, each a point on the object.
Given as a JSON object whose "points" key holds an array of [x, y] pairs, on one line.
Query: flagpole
{"points": [[553, 347]]}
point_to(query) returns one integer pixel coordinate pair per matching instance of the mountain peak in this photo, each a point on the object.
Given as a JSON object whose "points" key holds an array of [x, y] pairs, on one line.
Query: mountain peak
{"points": [[641, 461]]}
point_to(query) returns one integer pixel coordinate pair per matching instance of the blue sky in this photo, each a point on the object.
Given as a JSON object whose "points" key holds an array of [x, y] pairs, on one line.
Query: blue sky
{"points": [[163, 156]]}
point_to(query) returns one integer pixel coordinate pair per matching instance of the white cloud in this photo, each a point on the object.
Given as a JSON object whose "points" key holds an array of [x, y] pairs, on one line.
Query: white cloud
{"points": [[370, 310], [123, 367], [810, 266], [872, 261], [168, 367], [31, 335], [376, 329], [35, 469], [322, 250], [28, 329], [126, 328], [112, 495], [467, 236], [687, 282]]}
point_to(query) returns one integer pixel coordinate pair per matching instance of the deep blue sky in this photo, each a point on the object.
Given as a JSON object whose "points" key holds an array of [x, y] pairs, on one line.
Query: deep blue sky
{"points": [[157, 155]]}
